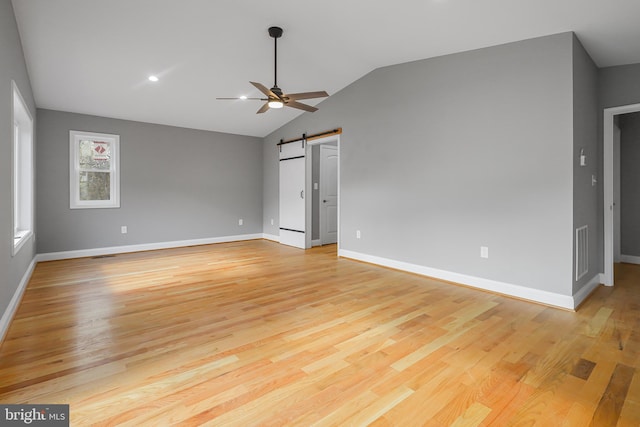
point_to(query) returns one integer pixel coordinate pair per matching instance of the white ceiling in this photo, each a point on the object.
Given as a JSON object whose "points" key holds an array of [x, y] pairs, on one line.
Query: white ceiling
{"points": [[94, 56]]}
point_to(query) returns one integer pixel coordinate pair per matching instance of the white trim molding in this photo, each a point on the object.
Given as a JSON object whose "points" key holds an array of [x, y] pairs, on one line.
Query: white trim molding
{"points": [[630, 259], [8, 314], [53, 256], [607, 185], [544, 297], [586, 290], [22, 172]]}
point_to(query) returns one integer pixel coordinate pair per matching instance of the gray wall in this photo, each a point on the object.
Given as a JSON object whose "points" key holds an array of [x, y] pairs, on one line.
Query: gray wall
{"points": [[619, 85], [630, 184], [176, 184], [444, 155], [586, 203], [12, 67]]}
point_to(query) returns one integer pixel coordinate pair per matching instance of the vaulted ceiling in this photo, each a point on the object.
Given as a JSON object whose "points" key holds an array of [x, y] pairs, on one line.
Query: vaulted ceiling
{"points": [[95, 56]]}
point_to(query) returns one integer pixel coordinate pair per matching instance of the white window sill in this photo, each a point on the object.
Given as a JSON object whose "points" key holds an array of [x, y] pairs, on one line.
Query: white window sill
{"points": [[19, 239]]}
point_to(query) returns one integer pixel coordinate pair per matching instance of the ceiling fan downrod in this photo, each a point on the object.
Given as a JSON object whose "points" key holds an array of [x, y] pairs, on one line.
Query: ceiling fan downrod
{"points": [[276, 33]]}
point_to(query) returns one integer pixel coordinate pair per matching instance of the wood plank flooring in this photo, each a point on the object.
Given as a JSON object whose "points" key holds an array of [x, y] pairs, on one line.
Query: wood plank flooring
{"points": [[256, 333]]}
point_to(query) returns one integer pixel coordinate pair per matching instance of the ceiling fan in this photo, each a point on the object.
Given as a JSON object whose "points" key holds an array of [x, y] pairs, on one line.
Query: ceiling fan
{"points": [[275, 98]]}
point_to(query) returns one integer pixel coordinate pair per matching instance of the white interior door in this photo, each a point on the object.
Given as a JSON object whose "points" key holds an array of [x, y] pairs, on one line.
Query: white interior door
{"points": [[292, 195], [328, 194]]}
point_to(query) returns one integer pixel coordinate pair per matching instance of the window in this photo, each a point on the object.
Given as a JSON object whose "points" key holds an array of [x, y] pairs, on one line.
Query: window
{"points": [[94, 174], [22, 173]]}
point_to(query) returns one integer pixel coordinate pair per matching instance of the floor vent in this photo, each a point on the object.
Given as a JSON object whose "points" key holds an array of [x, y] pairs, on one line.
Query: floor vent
{"points": [[582, 251]]}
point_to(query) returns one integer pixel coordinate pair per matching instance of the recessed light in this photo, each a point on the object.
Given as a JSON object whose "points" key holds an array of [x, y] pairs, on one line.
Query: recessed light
{"points": [[153, 78], [243, 97]]}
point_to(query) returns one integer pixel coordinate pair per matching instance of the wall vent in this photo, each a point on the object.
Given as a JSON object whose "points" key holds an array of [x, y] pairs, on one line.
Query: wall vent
{"points": [[582, 251]]}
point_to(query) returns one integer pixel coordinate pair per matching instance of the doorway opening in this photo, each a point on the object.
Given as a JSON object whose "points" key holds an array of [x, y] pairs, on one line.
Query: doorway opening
{"points": [[323, 178], [610, 207]]}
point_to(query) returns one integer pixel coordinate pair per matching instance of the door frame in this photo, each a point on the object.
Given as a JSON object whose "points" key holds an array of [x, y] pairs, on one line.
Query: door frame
{"points": [[308, 184], [607, 184]]}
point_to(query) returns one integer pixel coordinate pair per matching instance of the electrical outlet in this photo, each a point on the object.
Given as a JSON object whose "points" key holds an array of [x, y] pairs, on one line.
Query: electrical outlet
{"points": [[271, 221], [358, 235], [240, 221], [123, 229], [484, 252]]}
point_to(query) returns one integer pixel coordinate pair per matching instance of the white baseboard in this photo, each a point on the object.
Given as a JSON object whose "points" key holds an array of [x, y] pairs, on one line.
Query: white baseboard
{"points": [[586, 290], [543, 297], [52, 256], [630, 259], [5, 321], [317, 242], [601, 279], [272, 237]]}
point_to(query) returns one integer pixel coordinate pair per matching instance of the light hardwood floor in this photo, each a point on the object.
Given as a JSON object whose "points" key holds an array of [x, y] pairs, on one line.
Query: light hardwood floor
{"points": [[256, 333]]}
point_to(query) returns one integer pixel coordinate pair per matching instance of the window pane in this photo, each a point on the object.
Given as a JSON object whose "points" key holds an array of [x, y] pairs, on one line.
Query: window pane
{"points": [[95, 155], [95, 185]]}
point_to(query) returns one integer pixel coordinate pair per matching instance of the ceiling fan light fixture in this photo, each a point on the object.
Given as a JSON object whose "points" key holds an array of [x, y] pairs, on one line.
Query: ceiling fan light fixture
{"points": [[276, 103]]}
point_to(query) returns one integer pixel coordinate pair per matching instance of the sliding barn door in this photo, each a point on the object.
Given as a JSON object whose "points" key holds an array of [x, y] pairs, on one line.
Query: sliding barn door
{"points": [[292, 194]]}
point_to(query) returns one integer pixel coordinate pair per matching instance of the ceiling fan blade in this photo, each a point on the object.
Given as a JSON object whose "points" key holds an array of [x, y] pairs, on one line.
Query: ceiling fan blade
{"points": [[306, 95], [301, 106], [245, 99], [264, 108], [262, 88]]}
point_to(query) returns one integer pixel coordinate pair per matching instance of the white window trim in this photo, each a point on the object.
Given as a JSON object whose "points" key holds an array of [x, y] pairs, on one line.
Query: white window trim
{"points": [[15, 185], [74, 189], [19, 239], [23, 209]]}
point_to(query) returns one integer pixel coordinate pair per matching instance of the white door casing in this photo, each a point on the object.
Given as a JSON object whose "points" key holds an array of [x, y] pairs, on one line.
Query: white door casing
{"points": [[333, 140], [608, 183], [616, 193]]}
